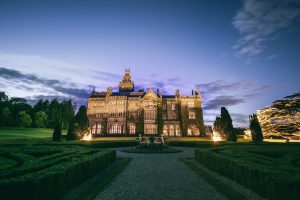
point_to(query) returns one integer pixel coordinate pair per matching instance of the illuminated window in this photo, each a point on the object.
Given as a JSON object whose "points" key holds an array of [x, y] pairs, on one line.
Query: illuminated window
{"points": [[93, 128], [131, 128], [165, 130], [177, 130], [173, 106], [164, 106], [191, 104], [192, 115], [116, 128], [189, 131], [99, 128], [171, 130]]}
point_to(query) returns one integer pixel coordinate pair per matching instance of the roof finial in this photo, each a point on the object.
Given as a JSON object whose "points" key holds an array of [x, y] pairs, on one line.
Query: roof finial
{"points": [[150, 86]]}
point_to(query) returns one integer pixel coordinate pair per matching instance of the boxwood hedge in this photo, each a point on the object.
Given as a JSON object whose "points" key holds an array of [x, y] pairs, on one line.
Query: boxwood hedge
{"points": [[38, 175], [275, 177]]}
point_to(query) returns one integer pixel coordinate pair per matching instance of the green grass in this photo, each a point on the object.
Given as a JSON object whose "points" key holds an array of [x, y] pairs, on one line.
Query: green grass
{"points": [[100, 182], [272, 170], [220, 187]]}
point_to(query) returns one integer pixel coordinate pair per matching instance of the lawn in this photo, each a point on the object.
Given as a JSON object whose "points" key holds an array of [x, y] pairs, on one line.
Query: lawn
{"points": [[40, 133], [272, 170]]}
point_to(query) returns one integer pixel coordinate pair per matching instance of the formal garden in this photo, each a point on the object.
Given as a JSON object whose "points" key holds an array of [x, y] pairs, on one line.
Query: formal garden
{"points": [[44, 155]]}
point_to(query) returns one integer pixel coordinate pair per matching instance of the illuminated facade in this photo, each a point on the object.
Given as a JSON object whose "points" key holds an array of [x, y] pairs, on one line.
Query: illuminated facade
{"points": [[130, 112]]}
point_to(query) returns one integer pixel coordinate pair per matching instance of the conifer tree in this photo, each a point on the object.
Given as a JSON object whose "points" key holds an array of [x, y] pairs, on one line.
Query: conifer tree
{"points": [[255, 129], [57, 132]]}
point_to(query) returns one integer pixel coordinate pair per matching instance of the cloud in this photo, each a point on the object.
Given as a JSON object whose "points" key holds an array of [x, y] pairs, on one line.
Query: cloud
{"points": [[222, 101], [31, 82], [258, 21]]}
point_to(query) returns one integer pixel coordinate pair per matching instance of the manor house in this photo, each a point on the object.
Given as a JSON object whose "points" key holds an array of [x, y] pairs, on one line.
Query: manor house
{"points": [[130, 112]]}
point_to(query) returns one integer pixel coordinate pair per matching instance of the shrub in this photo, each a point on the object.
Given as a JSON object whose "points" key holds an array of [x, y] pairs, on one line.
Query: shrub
{"points": [[263, 179], [50, 177]]}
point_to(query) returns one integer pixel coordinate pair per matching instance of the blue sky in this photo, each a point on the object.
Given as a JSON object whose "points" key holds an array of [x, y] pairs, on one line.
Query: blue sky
{"points": [[242, 54]]}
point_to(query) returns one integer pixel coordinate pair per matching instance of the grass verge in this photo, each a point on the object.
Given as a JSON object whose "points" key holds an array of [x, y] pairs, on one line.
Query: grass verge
{"points": [[98, 184], [220, 187]]}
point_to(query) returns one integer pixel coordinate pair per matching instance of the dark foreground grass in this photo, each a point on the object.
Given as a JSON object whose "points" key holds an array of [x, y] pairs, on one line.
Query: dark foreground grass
{"points": [[220, 187], [98, 183]]}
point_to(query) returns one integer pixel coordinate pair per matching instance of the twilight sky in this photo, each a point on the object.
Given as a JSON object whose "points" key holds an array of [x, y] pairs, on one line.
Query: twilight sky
{"points": [[242, 54]]}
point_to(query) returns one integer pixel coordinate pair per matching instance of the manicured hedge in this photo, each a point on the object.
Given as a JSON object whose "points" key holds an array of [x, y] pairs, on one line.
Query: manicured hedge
{"points": [[265, 180], [50, 177]]}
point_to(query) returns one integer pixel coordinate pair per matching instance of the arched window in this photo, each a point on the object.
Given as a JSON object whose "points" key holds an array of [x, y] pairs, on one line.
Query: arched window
{"points": [[165, 130], [177, 130], [171, 130]]}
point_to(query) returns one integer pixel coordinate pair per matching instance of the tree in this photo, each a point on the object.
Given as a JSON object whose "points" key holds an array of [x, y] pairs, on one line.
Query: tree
{"points": [[71, 131], [223, 125], [24, 120], [255, 129], [81, 119], [57, 132], [68, 113], [40, 119], [3, 96], [7, 116], [55, 114]]}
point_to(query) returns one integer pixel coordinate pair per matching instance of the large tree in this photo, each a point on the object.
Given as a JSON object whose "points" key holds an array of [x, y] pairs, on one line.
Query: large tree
{"points": [[55, 114], [81, 119], [223, 125], [40, 119], [23, 119], [7, 117], [255, 129]]}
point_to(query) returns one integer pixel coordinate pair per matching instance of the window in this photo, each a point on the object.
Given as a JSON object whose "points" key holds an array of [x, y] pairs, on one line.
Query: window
{"points": [[189, 131], [164, 116], [150, 129], [173, 106], [164, 106], [131, 128], [165, 130], [177, 130], [116, 128], [171, 130], [192, 115], [93, 128], [191, 104], [99, 129], [150, 114]]}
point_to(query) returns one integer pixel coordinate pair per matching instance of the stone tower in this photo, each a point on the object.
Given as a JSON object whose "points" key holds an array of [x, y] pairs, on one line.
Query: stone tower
{"points": [[126, 85]]}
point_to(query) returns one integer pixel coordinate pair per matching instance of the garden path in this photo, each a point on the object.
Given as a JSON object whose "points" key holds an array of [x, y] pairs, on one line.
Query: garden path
{"points": [[158, 176]]}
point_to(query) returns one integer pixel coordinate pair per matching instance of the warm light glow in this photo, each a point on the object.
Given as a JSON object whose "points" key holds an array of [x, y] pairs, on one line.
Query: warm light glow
{"points": [[216, 137], [87, 136]]}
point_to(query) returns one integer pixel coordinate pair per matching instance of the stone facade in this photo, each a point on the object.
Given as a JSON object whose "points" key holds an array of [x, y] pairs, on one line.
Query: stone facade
{"points": [[130, 112]]}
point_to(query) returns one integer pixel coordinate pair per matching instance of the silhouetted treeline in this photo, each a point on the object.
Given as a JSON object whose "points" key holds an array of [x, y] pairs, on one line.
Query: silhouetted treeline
{"points": [[17, 112]]}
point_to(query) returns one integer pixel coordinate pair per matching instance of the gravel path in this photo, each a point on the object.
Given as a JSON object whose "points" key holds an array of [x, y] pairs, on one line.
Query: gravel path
{"points": [[158, 176]]}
